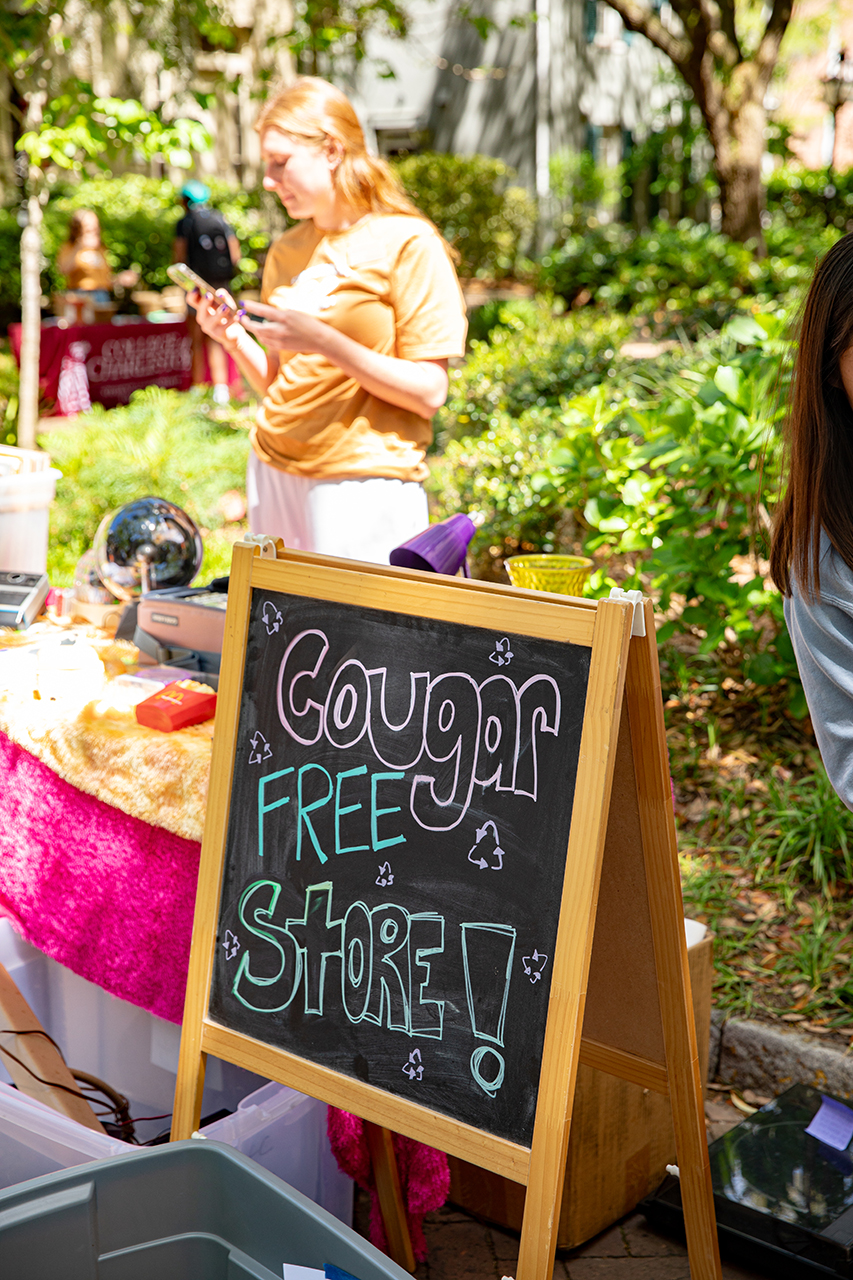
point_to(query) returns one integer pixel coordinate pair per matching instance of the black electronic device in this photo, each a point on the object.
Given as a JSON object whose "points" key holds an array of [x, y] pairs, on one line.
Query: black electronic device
{"points": [[22, 596], [783, 1197]]}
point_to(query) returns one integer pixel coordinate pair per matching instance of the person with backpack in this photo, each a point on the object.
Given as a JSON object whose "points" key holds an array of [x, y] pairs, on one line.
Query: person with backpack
{"points": [[208, 246]]}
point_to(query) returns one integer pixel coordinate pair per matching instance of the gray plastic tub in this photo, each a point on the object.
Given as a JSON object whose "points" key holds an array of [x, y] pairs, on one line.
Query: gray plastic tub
{"points": [[187, 1211]]}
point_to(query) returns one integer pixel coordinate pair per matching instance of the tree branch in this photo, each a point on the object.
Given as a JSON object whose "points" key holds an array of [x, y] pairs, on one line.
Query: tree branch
{"points": [[767, 54], [639, 18], [726, 10], [708, 24]]}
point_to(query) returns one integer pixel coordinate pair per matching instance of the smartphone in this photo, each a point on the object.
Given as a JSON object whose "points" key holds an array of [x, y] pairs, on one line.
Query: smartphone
{"points": [[187, 279]]}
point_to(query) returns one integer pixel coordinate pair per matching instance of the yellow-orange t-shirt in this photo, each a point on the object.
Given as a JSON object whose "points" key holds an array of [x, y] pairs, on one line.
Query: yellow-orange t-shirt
{"points": [[84, 268], [388, 283]]}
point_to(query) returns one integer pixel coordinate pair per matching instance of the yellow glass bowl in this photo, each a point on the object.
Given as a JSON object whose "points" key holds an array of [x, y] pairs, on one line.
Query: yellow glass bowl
{"points": [[565, 575]]}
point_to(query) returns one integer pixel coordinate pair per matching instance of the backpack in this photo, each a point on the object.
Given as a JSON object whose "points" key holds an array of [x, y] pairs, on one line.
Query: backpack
{"points": [[207, 245]]}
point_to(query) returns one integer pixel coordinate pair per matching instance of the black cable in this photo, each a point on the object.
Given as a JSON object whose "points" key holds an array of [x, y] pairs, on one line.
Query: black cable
{"points": [[51, 1084], [116, 1103], [33, 1031]]}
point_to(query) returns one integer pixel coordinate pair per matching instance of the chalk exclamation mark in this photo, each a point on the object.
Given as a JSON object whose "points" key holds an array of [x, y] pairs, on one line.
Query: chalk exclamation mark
{"points": [[487, 952]]}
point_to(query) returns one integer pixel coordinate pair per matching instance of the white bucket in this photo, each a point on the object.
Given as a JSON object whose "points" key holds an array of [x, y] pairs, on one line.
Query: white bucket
{"points": [[25, 501]]}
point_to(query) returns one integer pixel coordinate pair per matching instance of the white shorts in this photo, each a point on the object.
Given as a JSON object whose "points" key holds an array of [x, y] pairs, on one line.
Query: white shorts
{"points": [[354, 519]]}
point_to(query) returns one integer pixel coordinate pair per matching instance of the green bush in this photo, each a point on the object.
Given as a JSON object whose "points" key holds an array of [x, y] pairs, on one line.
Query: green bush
{"points": [[472, 202], [656, 473], [531, 358], [8, 396], [163, 443], [138, 217], [10, 266], [684, 274], [583, 190], [817, 196]]}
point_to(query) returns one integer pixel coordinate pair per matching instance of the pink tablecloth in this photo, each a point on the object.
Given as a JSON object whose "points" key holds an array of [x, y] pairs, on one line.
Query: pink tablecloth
{"points": [[105, 363], [105, 894]]}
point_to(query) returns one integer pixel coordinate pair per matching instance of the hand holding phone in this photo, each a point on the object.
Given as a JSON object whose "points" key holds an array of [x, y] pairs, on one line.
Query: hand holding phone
{"points": [[187, 279]]}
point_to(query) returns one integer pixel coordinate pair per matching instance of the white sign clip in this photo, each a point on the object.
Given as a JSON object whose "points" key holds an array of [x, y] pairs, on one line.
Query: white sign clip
{"points": [[636, 599], [265, 542]]}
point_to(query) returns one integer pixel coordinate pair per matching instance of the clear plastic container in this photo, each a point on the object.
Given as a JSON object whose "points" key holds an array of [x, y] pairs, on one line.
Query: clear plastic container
{"points": [[285, 1132], [35, 1140], [129, 1048]]}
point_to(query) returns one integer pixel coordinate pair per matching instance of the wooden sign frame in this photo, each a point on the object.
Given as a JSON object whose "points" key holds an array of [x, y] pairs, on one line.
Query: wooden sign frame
{"points": [[647, 1038]]}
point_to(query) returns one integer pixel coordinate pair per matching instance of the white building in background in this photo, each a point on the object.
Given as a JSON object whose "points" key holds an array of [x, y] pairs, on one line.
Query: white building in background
{"points": [[550, 75]]}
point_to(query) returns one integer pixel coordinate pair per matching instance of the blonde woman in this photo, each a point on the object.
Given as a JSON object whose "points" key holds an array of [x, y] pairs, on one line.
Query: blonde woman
{"points": [[360, 313]]}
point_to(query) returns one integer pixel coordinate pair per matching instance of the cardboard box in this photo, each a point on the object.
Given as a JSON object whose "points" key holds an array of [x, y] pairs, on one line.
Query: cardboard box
{"points": [[620, 1143]]}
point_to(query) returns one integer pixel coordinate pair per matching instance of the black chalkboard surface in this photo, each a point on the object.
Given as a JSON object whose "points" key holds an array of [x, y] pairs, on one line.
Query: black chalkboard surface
{"points": [[400, 809]]}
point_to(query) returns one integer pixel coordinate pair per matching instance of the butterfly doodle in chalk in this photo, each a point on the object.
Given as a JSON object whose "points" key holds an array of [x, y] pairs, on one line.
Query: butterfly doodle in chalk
{"points": [[533, 965], [503, 654], [414, 1068], [272, 618], [261, 749], [486, 852], [386, 875], [231, 944]]}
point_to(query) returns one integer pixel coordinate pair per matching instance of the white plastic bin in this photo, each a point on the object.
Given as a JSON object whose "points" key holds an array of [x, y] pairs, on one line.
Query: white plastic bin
{"points": [[114, 1040], [285, 1132], [35, 1140], [137, 1054], [25, 499]]}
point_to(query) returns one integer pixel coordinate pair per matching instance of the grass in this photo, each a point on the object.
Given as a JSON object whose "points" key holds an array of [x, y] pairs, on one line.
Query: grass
{"points": [[165, 443], [765, 848]]}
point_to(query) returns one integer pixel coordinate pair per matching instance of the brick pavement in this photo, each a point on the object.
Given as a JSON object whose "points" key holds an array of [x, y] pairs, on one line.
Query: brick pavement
{"points": [[463, 1248], [460, 1248]]}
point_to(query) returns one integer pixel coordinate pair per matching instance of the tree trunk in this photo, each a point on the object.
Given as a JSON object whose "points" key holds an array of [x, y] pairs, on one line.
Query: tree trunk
{"points": [[742, 201], [738, 139], [28, 401], [28, 404]]}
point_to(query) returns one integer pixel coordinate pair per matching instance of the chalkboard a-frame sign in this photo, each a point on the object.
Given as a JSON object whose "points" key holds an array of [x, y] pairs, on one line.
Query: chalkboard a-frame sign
{"points": [[439, 870]]}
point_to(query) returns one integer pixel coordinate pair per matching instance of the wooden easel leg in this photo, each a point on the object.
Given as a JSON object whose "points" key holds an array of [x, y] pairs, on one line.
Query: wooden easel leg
{"points": [[390, 1193], [648, 734]]}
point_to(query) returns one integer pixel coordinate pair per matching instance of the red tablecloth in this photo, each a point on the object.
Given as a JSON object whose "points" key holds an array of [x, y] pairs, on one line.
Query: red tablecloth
{"points": [[106, 362]]}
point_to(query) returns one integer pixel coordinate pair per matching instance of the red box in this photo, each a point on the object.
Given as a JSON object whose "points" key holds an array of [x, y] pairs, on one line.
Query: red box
{"points": [[177, 705]]}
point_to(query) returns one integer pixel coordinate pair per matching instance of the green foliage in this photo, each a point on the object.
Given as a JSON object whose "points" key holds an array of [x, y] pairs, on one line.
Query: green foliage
{"points": [[684, 274], [163, 443], [675, 157], [583, 190], [328, 31], [8, 396], [812, 831], [472, 202], [10, 265], [655, 471], [82, 131], [817, 197], [531, 358]]}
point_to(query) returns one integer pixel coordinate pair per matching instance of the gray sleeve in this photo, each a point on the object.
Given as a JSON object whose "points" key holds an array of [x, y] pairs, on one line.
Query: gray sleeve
{"points": [[822, 636]]}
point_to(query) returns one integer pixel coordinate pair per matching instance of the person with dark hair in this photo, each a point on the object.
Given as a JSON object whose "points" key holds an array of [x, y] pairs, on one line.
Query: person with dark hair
{"points": [[361, 312], [811, 556], [209, 247]]}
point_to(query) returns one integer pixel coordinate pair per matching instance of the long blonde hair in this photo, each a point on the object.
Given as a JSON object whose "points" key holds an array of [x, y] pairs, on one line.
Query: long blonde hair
{"points": [[314, 111]]}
